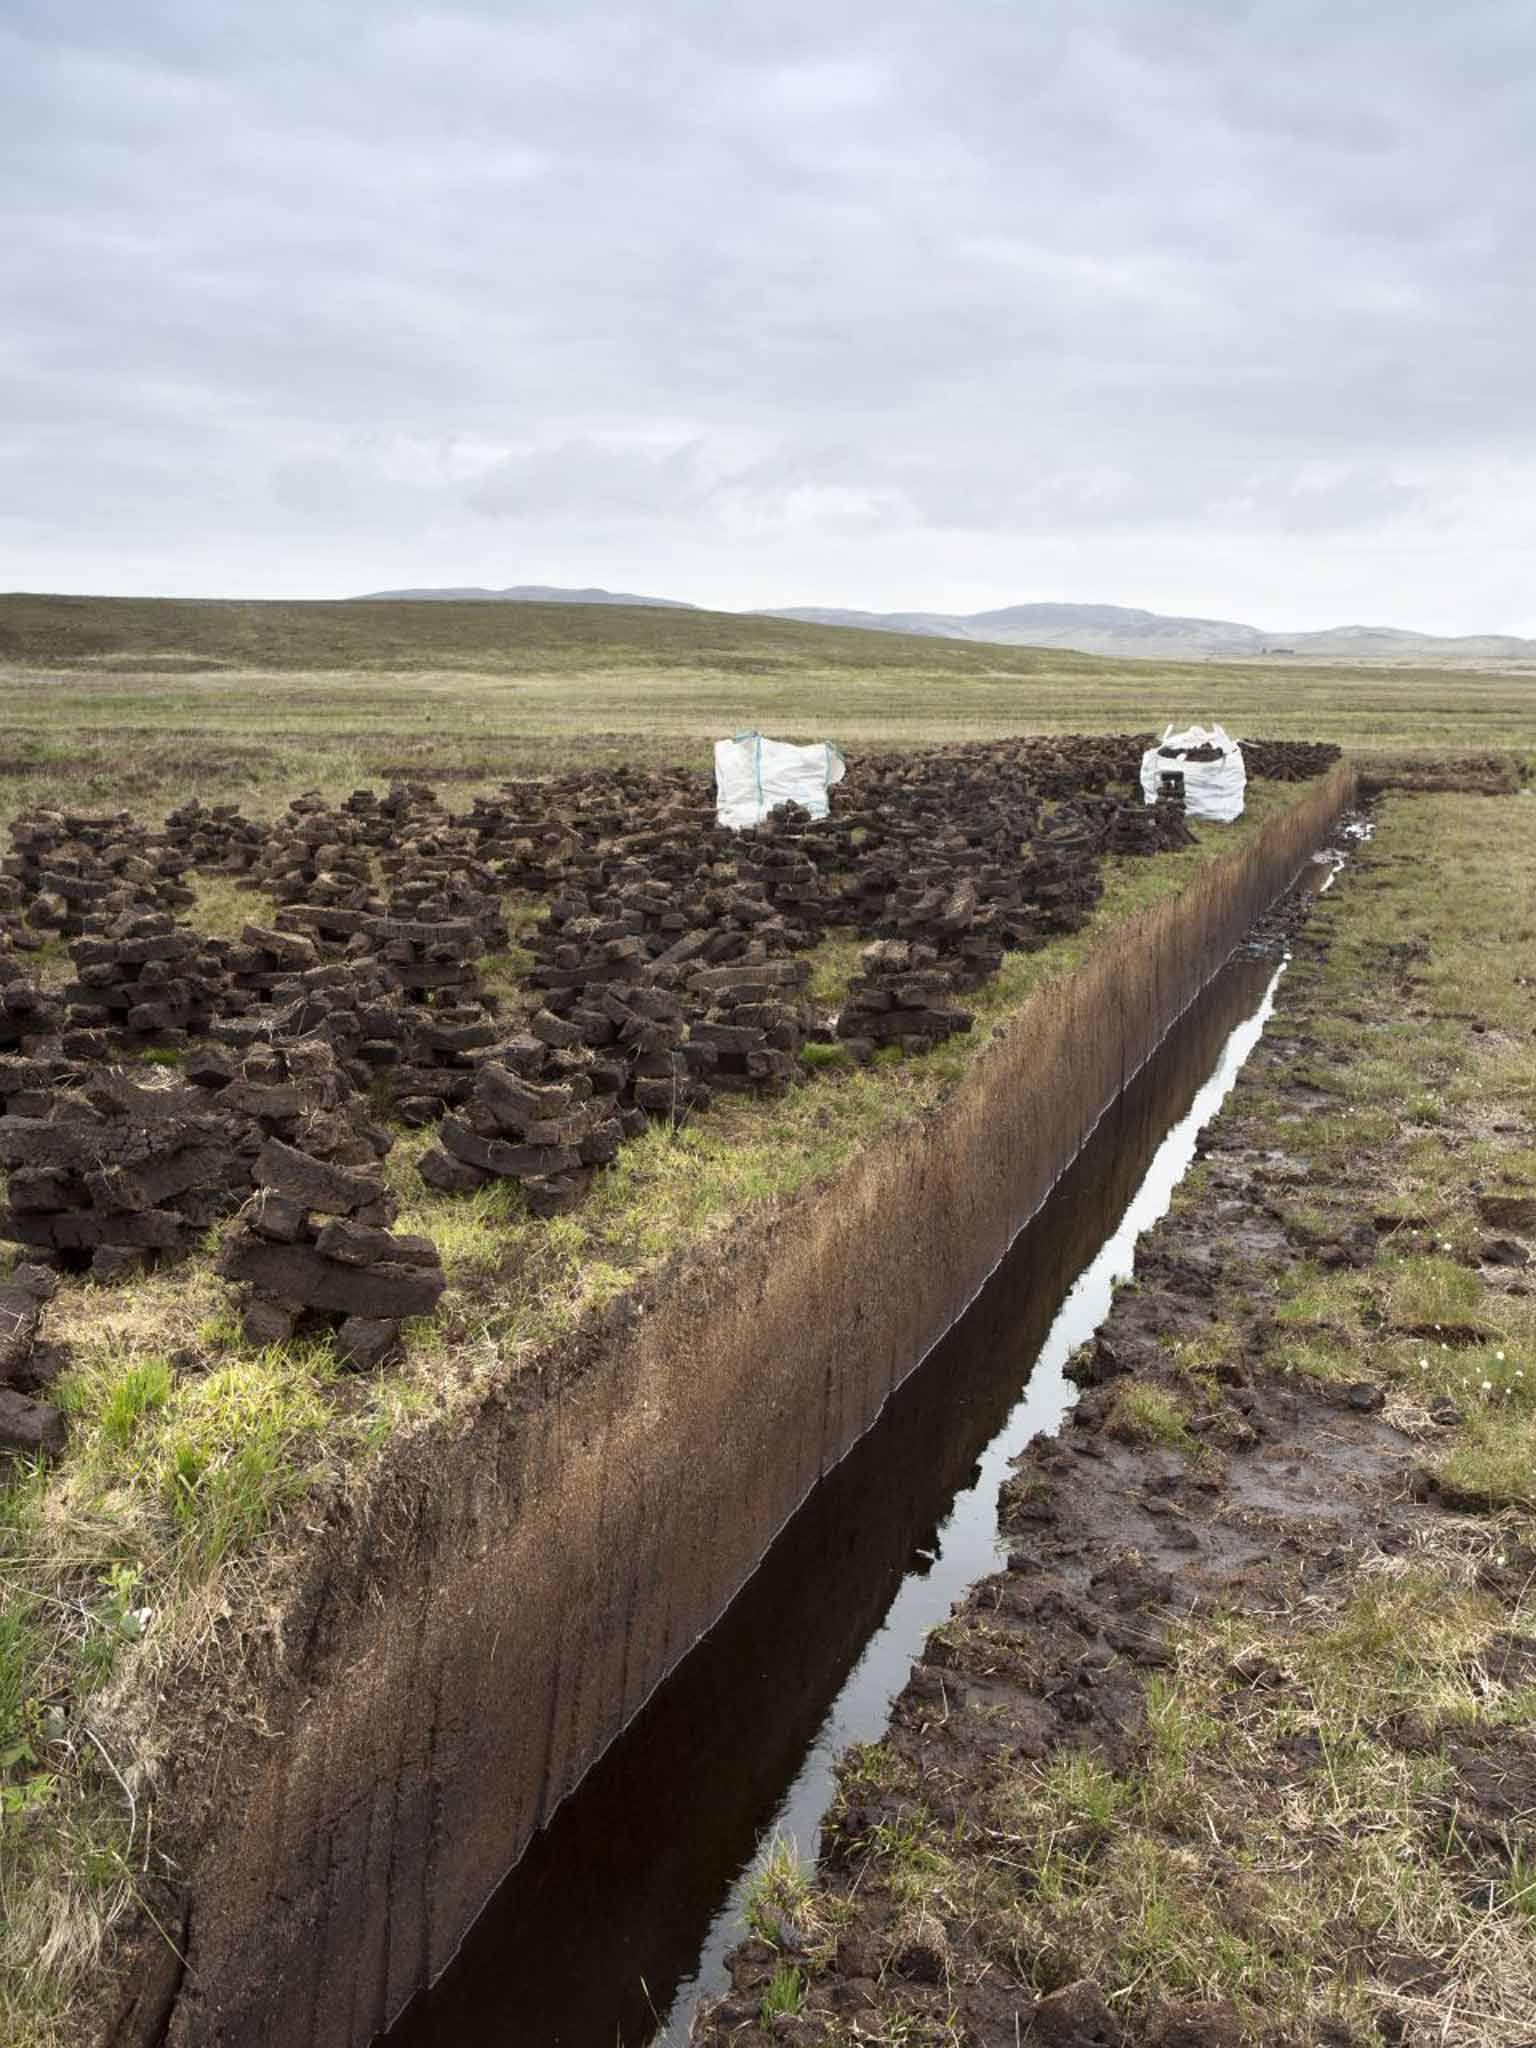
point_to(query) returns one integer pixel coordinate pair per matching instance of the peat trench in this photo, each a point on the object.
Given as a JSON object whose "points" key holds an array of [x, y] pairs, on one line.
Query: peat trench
{"points": [[619, 1915]]}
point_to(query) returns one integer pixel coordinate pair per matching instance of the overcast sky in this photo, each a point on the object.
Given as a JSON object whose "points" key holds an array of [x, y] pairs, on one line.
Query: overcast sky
{"points": [[1202, 305]]}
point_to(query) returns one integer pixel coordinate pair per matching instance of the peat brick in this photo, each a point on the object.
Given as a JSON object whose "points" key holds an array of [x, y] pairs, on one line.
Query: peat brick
{"points": [[312, 1183], [363, 1343], [299, 1276], [29, 1428], [356, 1244]]}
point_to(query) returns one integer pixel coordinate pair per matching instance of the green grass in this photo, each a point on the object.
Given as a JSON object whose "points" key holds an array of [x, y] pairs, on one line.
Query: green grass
{"points": [[240, 1446], [1493, 1462], [785, 1993], [1185, 1873], [1151, 1415], [1455, 878], [141, 701], [138, 1392]]}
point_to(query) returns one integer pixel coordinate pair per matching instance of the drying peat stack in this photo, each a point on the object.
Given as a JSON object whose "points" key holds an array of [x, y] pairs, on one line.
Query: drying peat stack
{"points": [[216, 838], [751, 1032], [1288, 760], [114, 1174], [428, 958], [145, 979], [29, 1427], [113, 1170], [313, 1250], [318, 857], [68, 865], [30, 1017], [526, 1123], [902, 999], [17, 937]]}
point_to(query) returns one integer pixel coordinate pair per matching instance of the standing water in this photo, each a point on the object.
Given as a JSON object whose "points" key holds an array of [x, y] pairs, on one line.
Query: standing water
{"points": [[618, 1917]]}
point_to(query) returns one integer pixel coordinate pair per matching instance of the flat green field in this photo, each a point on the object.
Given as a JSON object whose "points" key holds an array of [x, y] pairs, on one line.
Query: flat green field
{"points": [[143, 701]]}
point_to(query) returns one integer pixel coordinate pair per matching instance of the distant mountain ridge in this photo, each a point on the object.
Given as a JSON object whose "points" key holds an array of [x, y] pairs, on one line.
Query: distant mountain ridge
{"points": [[1080, 628], [1123, 629], [523, 593]]}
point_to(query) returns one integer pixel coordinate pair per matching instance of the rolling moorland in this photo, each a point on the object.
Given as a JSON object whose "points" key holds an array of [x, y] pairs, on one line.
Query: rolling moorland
{"points": [[144, 701], [1115, 629]]}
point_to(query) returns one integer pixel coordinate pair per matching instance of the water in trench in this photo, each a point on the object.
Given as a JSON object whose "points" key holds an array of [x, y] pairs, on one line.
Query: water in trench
{"points": [[618, 1916]]}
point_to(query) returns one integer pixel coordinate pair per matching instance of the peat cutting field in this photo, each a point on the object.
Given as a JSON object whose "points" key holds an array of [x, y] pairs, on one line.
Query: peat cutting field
{"points": [[460, 1202]]}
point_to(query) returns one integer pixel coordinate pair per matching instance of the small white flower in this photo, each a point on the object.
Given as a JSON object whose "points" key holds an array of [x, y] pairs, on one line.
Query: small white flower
{"points": [[1499, 1356], [1487, 1386]]}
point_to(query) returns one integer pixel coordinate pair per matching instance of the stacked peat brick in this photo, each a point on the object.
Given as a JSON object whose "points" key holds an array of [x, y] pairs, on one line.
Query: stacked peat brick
{"points": [[120, 1168], [29, 1426], [313, 1250], [70, 864], [402, 1005], [902, 998], [145, 979], [1154, 828], [429, 960], [215, 838], [439, 875], [751, 1025], [537, 1116], [670, 964], [17, 937], [1288, 760], [35, 1060], [1059, 879], [317, 857], [116, 1174], [30, 1017]]}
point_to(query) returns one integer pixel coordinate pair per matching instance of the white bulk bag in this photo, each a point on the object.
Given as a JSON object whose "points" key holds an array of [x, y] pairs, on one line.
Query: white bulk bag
{"points": [[754, 775], [1212, 789]]}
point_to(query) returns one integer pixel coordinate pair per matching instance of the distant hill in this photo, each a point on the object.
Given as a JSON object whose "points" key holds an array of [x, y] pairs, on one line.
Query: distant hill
{"points": [[1124, 630], [1346, 642], [1107, 629], [521, 593], [935, 624], [178, 636]]}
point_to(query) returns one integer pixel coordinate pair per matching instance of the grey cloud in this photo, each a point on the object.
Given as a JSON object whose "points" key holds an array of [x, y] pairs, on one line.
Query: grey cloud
{"points": [[587, 477], [795, 304]]}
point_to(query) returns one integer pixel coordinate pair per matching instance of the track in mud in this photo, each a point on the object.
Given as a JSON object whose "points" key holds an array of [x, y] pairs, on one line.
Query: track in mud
{"points": [[619, 1915]]}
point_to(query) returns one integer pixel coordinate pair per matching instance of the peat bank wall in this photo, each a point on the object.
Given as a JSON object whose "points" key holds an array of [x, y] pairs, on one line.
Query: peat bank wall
{"points": [[463, 1647]]}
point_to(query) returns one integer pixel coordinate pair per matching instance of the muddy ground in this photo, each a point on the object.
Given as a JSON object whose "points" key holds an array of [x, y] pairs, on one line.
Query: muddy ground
{"points": [[1240, 1748]]}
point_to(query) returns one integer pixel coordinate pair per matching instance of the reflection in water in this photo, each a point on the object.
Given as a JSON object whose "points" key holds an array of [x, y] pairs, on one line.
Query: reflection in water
{"points": [[617, 1917]]}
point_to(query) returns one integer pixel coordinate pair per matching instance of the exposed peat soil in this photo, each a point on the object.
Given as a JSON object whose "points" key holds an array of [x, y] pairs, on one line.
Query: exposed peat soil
{"points": [[1241, 1746]]}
